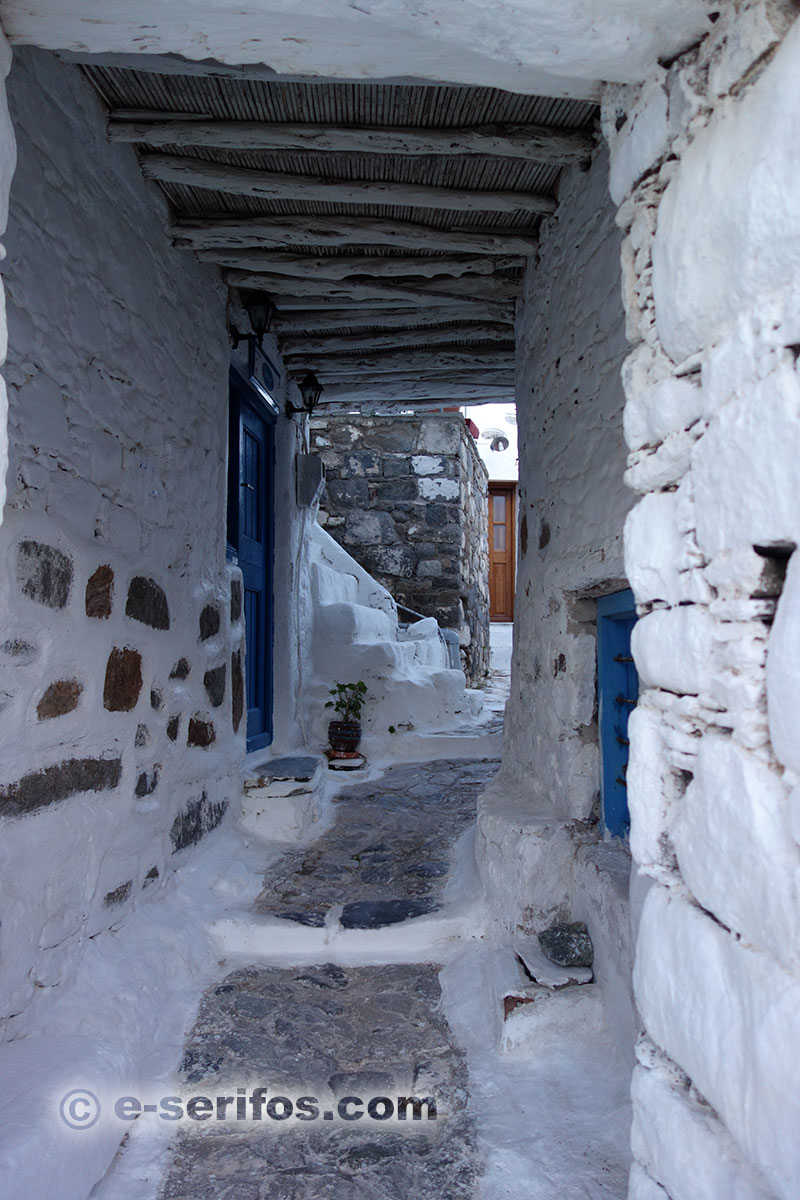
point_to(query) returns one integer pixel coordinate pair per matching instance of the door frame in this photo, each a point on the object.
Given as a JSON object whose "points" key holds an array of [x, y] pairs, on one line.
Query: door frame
{"points": [[242, 392]]}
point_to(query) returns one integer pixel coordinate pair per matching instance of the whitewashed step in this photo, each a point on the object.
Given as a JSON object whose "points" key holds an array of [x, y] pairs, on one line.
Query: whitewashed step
{"points": [[281, 797]]}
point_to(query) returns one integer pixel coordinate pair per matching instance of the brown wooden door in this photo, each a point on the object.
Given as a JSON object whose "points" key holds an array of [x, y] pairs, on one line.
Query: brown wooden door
{"points": [[501, 551]]}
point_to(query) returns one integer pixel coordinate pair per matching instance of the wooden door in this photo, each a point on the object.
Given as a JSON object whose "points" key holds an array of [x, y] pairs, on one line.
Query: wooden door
{"points": [[502, 539]]}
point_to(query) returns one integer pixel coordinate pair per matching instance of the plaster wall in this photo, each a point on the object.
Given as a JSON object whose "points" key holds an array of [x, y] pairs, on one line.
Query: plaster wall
{"points": [[704, 162], [120, 627]]}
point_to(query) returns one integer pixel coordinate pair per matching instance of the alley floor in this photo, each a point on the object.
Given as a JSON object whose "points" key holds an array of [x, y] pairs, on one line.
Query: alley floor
{"points": [[372, 1069]]}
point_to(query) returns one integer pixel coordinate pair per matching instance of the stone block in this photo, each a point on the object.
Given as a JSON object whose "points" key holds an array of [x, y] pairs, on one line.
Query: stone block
{"points": [[147, 603], [198, 818], [658, 409], [673, 648], [209, 622], [147, 782], [439, 489], [730, 1017], [363, 463], [60, 698], [438, 436], [348, 493], [369, 529], [64, 779], [397, 491], [200, 732], [100, 593], [428, 464], [119, 895], [746, 468], [214, 683], [44, 573], [389, 560], [731, 826], [783, 671], [653, 548], [396, 465], [181, 669], [641, 140], [429, 567], [652, 788], [236, 600], [173, 728], [123, 680], [729, 222], [237, 689]]}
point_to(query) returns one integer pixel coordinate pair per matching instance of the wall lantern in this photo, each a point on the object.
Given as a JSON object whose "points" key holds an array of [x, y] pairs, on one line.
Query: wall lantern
{"points": [[311, 390], [260, 311]]}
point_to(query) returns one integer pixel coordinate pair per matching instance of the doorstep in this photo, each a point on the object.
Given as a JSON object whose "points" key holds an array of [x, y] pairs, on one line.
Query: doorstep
{"points": [[282, 796]]}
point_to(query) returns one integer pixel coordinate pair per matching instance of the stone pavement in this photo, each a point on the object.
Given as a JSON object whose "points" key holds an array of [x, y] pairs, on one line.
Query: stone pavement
{"points": [[327, 1032]]}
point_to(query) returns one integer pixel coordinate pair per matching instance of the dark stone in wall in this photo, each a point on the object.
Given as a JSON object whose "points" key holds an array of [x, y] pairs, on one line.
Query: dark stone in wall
{"points": [[348, 491], [61, 697], [236, 600], [58, 782], [237, 690], [24, 652], [147, 782], [119, 895], [156, 699], [199, 817], [147, 603], [142, 736], [44, 573], [173, 727], [209, 622], [99, 593], [214, 683], [393, 467], [151, 876], [180, 670], [123, 679], [201, 733]]}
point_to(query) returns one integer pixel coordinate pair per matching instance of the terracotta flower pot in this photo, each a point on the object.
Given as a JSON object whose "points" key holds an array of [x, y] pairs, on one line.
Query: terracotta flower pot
{"points": [[344, 736]]}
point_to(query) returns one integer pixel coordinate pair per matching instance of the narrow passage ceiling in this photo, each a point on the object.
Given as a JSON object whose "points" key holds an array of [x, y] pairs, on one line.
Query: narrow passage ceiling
{"points": [[389, 222]]}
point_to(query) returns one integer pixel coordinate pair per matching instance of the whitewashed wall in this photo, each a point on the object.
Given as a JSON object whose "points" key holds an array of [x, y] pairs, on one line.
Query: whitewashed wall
{"points": [[544, 806], [705, 164], [117, 379]]}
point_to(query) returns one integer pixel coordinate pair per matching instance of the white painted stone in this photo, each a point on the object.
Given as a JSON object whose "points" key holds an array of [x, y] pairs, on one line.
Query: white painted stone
{"points": [[746, 468], [673, 648], [655, 412], [732, 826], [642, 1186], [681, 1143], [732, 1023], [663, 467], [652, 787], [637, 146], [729, 223], [427, 464], [546, 1021], [653, 547], [438, 489], [783, 671]]}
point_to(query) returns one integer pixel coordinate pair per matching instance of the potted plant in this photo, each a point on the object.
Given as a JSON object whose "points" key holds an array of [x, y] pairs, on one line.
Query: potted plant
{"points": [[348, 700]]}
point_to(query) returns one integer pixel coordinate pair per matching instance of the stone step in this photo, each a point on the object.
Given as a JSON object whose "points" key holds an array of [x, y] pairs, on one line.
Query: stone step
{"points": [[282, 797]]}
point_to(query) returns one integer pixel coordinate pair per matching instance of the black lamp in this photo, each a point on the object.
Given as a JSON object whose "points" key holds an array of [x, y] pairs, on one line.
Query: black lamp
{"points": [[260, 311], [311, 390]]}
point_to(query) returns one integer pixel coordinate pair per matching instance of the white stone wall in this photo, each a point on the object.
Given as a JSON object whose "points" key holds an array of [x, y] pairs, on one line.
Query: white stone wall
{"points": [[572, 499], [117, 378], [705, 164]]}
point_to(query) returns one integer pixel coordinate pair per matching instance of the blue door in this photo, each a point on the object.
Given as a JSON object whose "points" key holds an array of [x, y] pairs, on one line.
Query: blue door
{"points": [[250, 538], [618, 693]]}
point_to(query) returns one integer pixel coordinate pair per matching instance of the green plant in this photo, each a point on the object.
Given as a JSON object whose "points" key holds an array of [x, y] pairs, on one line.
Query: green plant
{"points": [[348, 700]]}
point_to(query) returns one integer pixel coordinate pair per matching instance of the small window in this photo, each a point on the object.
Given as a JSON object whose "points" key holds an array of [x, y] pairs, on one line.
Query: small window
{"points": [[618, 693]]}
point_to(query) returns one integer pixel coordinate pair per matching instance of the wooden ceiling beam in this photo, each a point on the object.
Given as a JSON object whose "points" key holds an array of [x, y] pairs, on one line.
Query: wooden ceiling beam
{"points": [[288, 293], [443, 390], [405, 361], [273, 185], [335, 232], [340, 267], [394, 338], [403, 320], [538, 143]]}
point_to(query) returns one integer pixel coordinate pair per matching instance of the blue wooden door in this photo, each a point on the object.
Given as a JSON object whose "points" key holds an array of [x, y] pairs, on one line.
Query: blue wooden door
{"points": [[618, 693], [252, 527]]}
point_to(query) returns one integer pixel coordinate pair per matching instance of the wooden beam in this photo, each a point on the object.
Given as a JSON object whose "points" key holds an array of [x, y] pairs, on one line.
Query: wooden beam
{"points": [[392, 339], [441, 389], [287, 292], [403, 320], [405, 362], [272, 185], [470, 288], [540, 143], [233, 233], [340, 267]]}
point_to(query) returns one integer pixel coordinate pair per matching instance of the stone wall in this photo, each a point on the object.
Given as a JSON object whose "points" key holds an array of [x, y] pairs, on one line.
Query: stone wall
{"points": [[572, 498], [705, 165], [407, 497], [122, 634]]}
